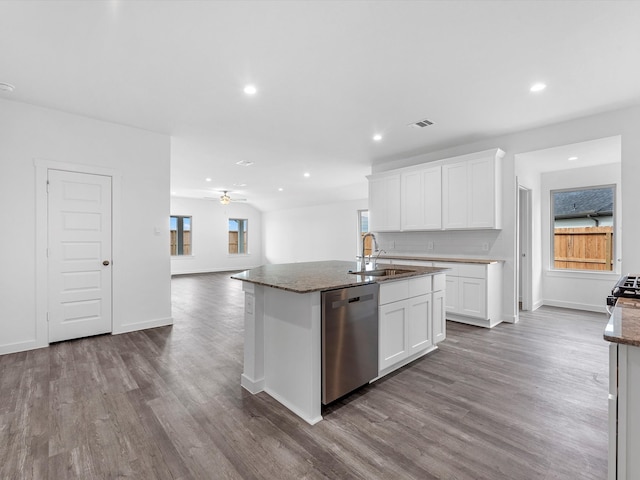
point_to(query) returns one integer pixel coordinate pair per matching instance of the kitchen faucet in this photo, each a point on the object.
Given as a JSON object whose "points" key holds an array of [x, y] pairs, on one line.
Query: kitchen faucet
{"points": [[375, 246]]}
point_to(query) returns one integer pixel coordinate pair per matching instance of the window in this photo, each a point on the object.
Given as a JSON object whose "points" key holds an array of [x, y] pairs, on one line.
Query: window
{"points": [[180, 235], [238, 235], [582, 224], [363, 227]]}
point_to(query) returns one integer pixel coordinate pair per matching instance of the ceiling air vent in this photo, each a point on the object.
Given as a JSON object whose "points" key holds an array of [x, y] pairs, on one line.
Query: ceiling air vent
{"points": [[421, 123]]}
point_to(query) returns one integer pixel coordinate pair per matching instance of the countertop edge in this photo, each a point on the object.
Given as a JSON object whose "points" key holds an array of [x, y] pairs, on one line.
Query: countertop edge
{"points": [[340, 284], [481, 261], [622, 340], [623, 326]]}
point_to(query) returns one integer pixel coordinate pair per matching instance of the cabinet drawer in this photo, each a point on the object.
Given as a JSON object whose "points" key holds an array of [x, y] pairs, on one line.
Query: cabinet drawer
{"points": [[393, 291], [419, 286], [472, 270]]}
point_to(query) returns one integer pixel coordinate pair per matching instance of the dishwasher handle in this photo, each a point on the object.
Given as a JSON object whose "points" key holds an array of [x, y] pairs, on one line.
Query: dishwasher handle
{"points": [[347, 301]]}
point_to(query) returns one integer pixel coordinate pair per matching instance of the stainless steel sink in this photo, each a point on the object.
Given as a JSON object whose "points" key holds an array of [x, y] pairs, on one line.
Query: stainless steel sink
{"points": [[383, 272]]}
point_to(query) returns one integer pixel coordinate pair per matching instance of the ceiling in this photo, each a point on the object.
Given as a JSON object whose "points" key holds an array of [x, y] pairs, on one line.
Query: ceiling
{"points": [[329, 74], [566, 157]]}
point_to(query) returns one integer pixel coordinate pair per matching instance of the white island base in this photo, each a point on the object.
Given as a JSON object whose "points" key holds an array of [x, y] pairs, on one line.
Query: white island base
{"points": [[282, 348], [283, 325]]}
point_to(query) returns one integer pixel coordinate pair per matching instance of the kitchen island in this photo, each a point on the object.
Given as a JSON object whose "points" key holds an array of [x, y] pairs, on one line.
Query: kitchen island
{"points": [[283, 319], [623, 331]]}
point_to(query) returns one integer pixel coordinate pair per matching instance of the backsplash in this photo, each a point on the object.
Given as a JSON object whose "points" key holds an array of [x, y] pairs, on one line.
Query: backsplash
{"points": [[462, 243]]}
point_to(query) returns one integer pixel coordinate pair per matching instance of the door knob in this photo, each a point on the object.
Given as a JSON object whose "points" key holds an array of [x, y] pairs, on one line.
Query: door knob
{"points": [[105, 263]]}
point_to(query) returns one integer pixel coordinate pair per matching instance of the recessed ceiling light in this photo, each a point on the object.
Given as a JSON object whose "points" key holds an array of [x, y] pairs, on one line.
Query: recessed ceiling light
{"points": [[244, 163], [307, 174], [537, 87], [571, 159], [173, 193], [250, 89], [377, 137], [281, 189], [6, 87], [207, 179]]}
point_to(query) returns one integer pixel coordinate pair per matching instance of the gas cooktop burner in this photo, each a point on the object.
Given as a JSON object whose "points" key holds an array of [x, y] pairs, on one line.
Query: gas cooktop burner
{"points": [[628, 286]]}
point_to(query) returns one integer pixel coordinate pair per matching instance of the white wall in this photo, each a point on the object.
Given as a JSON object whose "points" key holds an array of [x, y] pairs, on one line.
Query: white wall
{"points": [[141, 268], [323, 232], [621, 122], [581, 290], [210, 236]]}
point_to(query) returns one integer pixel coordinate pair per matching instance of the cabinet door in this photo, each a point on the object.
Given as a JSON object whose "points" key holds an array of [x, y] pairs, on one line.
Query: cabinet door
{"points": [[393, 334], [384, 203], [432, 198], [452, 294], [472, 297], [439, 321], [412, 207], [421, 206], [454, 195], [482, 194], [420, 323]]}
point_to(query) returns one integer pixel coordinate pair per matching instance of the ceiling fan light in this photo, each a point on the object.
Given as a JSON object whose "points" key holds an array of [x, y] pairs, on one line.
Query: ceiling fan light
{"points": [[225, 199]]}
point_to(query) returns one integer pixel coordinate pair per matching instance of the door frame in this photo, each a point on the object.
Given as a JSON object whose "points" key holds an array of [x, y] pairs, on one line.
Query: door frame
{"points": [[524, 227], [42, 166]]}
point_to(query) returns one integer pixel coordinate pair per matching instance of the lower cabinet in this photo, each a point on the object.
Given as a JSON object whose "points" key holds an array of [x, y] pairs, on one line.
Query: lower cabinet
{"points": [[411, 319], [439, 319], [624, 416], [474, 293]]}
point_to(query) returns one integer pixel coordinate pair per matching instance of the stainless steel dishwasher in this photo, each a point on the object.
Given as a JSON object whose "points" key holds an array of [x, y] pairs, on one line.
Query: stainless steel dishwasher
{"points": [[349, 339]]}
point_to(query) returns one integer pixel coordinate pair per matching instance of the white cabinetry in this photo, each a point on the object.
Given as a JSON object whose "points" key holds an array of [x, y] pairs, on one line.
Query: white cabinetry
{"points": [[471, 193], [384, 203], [451, 194], [407, 319], [624, 416], [473, 293], [421, 199], [439, 318]]}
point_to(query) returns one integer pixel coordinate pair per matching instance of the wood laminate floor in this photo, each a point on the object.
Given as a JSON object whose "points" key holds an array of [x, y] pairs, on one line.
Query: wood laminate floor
{"points": [[525, 401]]}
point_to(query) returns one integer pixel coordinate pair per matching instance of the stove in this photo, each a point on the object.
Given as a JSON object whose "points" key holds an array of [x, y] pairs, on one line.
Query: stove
{"points": [[627, 286]]}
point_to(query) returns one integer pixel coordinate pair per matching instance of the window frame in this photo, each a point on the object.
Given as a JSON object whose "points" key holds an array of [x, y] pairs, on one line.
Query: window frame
{"points": [[244, 241], [555, 270], [180, 235], [360, 231]]}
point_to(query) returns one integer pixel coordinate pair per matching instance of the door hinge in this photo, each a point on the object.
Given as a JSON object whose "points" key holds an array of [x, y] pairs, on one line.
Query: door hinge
{"points": [[47, 186]]}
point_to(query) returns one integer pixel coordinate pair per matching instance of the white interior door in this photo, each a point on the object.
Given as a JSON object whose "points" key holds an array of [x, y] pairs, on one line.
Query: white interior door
{"points": [[79, 254]]}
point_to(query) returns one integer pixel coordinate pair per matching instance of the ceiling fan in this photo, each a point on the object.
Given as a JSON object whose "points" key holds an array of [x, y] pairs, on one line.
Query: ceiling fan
{"points": [[225, 199]]}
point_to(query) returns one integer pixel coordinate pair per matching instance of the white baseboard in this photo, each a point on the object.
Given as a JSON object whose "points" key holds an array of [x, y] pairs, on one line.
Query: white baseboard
{"points": [[20, 347], [576, 306], [252, 386], [132, 327], [537, 305], [294, 408], [195, 271], [476, 322]]}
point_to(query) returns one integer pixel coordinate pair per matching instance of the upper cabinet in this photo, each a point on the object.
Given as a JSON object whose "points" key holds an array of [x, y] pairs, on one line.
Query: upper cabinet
{"points": [[421, 199], [471, 193], [453, 194], [384, 203]]}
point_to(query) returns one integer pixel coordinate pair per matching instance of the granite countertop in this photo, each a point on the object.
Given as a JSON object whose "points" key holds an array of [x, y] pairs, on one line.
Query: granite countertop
{"points": [[484, 261], [624, 324], [317, 276]]}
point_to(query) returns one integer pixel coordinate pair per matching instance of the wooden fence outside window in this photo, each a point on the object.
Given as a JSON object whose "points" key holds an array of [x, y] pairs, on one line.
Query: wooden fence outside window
{"points": [[233, 242], [584, 248], [186, 242]]}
